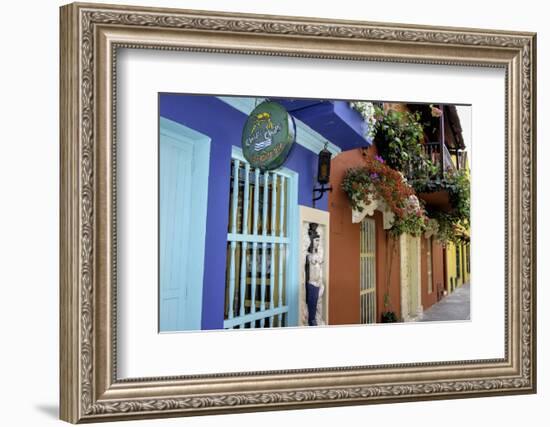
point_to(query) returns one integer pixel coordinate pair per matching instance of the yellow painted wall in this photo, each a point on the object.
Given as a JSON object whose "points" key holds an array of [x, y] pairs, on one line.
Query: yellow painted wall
{"points": [[455, 280]]}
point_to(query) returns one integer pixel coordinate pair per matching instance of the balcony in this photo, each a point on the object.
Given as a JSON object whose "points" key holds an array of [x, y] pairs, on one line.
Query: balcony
{"points": [[447, 155], [439, 155]]}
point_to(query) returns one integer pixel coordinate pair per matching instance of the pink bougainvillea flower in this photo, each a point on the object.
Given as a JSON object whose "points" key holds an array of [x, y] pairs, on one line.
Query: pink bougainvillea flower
{"points": [[436, 112], [380, 159]]}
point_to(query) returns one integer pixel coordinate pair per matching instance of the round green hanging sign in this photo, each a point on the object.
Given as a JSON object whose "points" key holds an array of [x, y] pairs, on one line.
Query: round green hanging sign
{"points": [[268, 135]]}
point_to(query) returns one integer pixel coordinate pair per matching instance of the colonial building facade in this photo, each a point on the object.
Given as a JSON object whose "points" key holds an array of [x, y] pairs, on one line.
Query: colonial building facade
{"points": [[246, 247]]}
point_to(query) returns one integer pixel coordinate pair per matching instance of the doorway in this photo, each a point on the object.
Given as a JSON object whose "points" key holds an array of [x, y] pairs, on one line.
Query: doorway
{"points": [[411, 305], [183, 191]]}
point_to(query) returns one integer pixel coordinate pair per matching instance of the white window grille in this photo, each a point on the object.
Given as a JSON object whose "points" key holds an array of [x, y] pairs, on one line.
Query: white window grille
{"points": [[257, 248], [367, 259]]}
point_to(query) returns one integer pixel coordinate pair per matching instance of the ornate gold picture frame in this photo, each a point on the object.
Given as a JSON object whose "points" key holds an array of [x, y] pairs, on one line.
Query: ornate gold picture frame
{"points": [[91, 37]]}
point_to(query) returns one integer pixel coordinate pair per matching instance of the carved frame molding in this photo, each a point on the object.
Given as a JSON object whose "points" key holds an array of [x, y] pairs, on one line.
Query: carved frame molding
{"points": [[90, 36]]}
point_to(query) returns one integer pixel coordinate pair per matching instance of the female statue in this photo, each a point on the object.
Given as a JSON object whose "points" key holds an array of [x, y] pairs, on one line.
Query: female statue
{"points": [[314, 277]]}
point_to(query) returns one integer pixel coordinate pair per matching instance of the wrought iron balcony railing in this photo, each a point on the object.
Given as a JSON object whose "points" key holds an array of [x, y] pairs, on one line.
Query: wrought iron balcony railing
{"points": [[439, 156]]}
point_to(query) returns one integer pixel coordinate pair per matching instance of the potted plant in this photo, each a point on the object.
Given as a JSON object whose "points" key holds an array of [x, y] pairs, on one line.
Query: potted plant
{"points": [[388, 315]]}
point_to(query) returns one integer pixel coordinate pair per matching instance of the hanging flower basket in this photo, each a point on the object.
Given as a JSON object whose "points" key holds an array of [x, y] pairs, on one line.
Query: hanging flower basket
{"points": [[376, 186]]}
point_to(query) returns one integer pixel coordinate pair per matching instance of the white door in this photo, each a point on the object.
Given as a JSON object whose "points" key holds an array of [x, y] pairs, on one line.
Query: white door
{"points": [[175, 195], [183, 192]]}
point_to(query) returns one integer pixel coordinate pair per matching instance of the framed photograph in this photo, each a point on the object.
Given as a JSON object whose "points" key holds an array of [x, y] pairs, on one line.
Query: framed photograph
{"points": [[267, 212]]}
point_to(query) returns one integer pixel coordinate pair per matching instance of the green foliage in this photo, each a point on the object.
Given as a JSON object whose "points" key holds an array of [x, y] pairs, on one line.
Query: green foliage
{"points": [[398, 137], [357, 185], [449, 228], [459, 193], [410, 224], [367, 111], [450, 224], [388, 317]]}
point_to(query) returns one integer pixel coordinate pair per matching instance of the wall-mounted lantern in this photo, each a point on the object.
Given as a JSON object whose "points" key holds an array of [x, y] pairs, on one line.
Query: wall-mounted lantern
{"points": [[323, 174]]}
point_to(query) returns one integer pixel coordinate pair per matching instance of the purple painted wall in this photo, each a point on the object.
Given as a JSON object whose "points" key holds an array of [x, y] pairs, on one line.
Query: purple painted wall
{"points": [[224, 124], [335, 120]]}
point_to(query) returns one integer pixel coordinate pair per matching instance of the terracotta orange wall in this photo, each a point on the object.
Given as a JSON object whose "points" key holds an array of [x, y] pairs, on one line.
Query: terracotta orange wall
{"points": [[386, 273], [344, 245], [344, 251]]}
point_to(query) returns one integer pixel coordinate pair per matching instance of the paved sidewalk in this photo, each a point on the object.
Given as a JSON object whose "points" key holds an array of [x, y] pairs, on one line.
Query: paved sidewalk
{"points": [[455, 306]]}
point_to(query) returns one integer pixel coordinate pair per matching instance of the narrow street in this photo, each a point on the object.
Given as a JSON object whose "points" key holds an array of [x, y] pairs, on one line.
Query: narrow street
{"points": [[455, 306]]}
